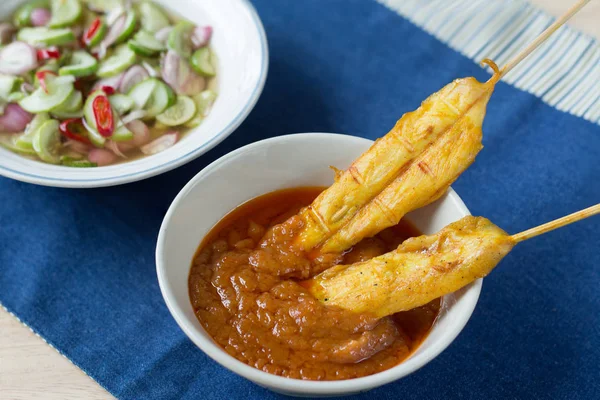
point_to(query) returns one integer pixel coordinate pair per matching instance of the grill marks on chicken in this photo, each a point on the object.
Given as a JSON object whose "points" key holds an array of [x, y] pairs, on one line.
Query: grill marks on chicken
{"points": [[419, 270], [411, 166]]}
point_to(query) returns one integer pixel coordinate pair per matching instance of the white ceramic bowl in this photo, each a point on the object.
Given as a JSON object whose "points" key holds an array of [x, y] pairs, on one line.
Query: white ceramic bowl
{"points": [[241, 46], [262, 167]]}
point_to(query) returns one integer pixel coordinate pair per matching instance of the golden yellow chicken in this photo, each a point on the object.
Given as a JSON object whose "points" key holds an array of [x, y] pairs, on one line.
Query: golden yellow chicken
{"points": [[410, 167], [420, 270]]}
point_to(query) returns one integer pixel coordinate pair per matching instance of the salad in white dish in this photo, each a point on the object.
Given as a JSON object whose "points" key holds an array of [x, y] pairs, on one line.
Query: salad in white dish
{"points": [[87, 83]]}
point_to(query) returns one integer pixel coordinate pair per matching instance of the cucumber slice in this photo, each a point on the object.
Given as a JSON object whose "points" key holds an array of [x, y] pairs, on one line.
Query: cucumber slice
{"points": [[75, 163], [59, 90], [64, 13], [15, 97], [122, 134], [51, 66], [98, 35], [179, 113], [8, 142], [121, 103], [104, 6], [73, 103], [67, 114], [202, 63], [23, 14], [122, 59], [204, 102], [46, 142], [153, 19], [180, 40], [128, 27], [88, 109], [162, 98], [25, 141], [96, 138], [90, 121], [145, 44], [42, 36], [9, 84], [72, 108], [142, 92], [82, 64]]}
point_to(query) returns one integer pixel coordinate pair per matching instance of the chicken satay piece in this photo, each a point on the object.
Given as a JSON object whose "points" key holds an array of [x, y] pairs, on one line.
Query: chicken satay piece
{"points": [[420, 270], [426, 179], [456, 106]]}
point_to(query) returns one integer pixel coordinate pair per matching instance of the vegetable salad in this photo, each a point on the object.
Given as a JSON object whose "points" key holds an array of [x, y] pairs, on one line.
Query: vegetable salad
{"points": [[90, 83]]}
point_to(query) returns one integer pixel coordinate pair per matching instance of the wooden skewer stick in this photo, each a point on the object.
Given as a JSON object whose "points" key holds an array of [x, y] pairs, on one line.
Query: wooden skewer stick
{"points": [[557, 223], [542, 37]]}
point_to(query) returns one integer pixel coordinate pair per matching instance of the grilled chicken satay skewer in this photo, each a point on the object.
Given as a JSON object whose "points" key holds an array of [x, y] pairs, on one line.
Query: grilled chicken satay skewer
{"points": [[459, 105], [426, 267], [411, 166]]}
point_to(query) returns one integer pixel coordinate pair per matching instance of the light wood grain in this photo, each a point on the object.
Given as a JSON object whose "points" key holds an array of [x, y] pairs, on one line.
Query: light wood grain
{"points": [[29, 368]]}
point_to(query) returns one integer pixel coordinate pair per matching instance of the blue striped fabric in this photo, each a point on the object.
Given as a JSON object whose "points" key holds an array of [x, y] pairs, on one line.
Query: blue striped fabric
{"points": [[564, 72], [77, 266]]}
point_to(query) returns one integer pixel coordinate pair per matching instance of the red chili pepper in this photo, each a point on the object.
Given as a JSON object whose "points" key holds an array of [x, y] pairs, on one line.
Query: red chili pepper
{"points": [[74, 129], [89, 34], [109, 90], [41, 76], [103, 115], [46, 54]]}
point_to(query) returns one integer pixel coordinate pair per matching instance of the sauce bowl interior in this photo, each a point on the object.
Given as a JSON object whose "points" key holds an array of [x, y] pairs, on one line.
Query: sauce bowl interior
{"points": [[269, 165]]}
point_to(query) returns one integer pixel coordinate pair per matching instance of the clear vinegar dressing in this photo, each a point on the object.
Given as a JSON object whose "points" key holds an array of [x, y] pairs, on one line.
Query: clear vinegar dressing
{"points": [[80, 49]]}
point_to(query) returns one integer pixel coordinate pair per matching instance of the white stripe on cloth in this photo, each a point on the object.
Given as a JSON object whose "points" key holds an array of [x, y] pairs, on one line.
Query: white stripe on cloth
{"points": [[564, 72]]}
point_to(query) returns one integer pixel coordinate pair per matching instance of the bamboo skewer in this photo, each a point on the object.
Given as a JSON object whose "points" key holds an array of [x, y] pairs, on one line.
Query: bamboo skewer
{"points": [[542, 37], [557, 223]]}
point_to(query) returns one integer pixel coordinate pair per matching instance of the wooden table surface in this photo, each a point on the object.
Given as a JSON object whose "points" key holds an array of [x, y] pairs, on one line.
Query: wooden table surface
{"points": [[30, 368]]}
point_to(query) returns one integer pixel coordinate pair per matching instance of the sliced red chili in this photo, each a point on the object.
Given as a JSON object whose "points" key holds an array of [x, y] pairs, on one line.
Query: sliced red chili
{"points": [[103, 115], [89, 34], [46, 54], [74, 129], [41, 76], [109, 90]]}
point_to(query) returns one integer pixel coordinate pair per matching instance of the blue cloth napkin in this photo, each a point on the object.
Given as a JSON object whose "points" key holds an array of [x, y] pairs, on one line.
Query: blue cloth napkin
{"points": [[77, 266]]}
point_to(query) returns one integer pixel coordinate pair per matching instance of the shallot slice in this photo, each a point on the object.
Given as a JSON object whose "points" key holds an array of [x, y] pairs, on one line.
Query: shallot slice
{"points": [[115, 148], [161, 144], [7, 31], [14, 119], [101, 157], [150, 69], [27, 88], [201, 36], [17, 58], [132, 77], [116, 28], [77, 147], [132, 116], [178, 74], [40, 16], [141, 133], [163, 34], [113, 82]]}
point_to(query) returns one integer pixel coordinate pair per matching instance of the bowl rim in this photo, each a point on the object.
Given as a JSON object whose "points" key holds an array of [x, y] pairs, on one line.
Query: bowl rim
{"points": [[172, 164], [279, 383]]}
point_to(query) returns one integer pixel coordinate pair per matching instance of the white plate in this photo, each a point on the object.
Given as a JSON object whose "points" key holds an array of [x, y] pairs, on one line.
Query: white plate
{"points": [[262, 167], [240, 43]]}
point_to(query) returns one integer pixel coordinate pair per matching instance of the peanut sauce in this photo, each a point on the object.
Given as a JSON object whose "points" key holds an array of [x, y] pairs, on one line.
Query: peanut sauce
{"points": [[246, 288]]}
